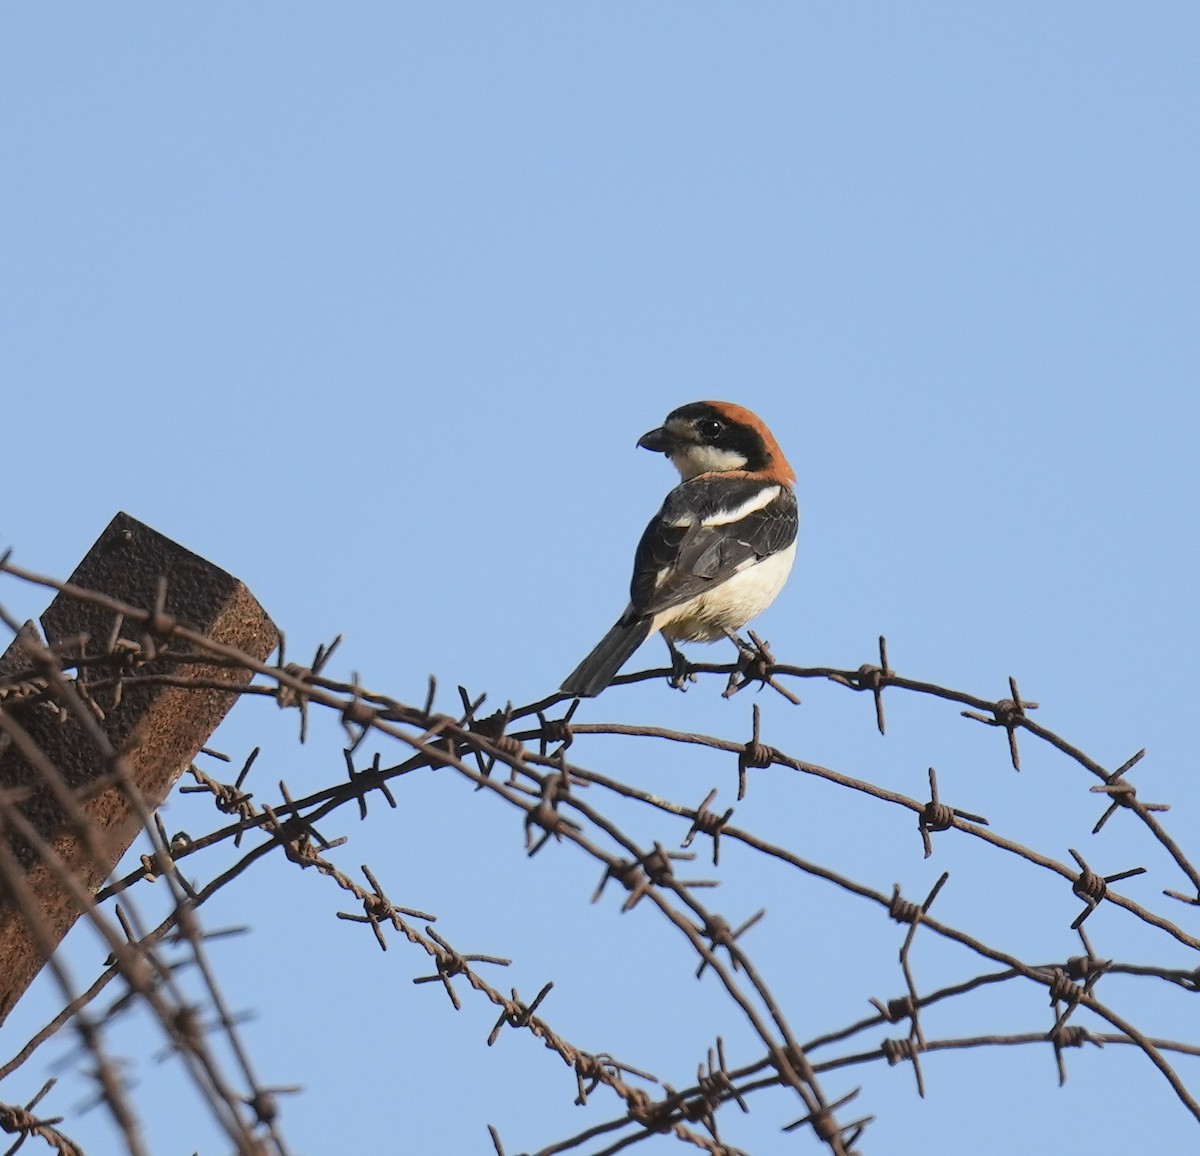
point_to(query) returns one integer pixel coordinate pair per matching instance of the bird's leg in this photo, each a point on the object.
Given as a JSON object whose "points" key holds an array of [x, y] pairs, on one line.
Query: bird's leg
{"points": [[746, 655], [681, 673]]}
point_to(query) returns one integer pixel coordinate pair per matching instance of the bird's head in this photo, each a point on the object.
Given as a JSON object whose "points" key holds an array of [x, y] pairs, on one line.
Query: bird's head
{"points": [[709, 437]]}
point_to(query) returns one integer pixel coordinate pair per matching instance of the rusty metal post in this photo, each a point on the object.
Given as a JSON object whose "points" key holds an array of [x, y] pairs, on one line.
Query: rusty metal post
{"points": [[159, 729]]}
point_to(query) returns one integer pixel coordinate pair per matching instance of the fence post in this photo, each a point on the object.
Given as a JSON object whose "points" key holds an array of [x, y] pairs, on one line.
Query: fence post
{"points": [[158, 728]]}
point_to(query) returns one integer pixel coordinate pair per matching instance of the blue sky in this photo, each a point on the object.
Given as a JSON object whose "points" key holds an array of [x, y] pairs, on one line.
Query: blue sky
{"points": [[368, 304]]}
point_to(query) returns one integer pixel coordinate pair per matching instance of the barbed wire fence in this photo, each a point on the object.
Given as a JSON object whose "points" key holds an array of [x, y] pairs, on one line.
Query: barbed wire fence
{"points": [[535, 759]]}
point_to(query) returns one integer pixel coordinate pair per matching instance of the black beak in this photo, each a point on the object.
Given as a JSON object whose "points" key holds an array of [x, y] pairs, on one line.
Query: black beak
{"points": [[660, 441]]}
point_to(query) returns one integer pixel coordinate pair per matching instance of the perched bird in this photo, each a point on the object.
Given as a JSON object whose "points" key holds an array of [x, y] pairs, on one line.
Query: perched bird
{"points": [[717, 552]]}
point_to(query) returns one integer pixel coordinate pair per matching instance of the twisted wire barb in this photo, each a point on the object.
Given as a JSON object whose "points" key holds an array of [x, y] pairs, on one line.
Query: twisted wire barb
{"points": [[544, 789]]}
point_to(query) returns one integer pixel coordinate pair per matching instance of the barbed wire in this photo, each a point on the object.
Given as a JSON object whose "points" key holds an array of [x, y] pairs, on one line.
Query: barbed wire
{"points": [[519, 757]]}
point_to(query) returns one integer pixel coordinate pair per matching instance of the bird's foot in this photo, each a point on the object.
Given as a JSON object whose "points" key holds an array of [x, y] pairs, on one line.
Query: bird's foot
{"points": [[681, 670], [756, 663]]}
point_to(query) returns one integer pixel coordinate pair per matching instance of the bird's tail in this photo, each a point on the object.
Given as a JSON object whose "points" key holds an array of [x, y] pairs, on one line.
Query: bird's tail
{"points": [[600, 667]]}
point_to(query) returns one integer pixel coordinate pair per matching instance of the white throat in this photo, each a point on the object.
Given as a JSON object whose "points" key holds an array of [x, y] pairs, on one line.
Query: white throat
{"points": [[695, 460]]}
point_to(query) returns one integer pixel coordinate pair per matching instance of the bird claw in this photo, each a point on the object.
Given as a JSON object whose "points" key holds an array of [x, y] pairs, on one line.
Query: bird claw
{"points": [[740, 674], [737, 680], [756, 663], [681, 672]]}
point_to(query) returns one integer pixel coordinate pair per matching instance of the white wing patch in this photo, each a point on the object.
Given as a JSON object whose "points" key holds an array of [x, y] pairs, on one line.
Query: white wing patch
{"points": [[759, 501]]}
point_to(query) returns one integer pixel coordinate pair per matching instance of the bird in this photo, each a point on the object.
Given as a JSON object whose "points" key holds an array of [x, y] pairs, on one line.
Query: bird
{"points": [[718, 551]]}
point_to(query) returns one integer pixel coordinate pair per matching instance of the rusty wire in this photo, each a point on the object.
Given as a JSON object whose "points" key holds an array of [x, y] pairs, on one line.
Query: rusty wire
{"points": [[530, 749]]}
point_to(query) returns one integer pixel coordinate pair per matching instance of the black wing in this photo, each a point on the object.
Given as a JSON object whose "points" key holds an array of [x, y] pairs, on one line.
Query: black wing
{"points": [[693, 545]]}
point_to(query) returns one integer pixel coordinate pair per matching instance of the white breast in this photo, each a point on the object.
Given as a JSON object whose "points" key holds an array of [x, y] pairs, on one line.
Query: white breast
{"points": [[730, 605]]}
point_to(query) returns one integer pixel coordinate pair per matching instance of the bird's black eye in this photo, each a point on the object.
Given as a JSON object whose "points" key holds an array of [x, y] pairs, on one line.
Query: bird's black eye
{"points": [[711, 429]]}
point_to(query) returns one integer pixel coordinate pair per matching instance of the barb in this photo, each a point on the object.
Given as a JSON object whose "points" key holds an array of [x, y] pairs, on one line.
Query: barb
{"points": [[554, 815]]}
